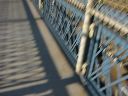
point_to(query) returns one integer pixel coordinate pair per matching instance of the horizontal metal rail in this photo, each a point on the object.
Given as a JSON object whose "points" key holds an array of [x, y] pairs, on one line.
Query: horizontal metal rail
{"points": [[121, 5], [110, 22]]}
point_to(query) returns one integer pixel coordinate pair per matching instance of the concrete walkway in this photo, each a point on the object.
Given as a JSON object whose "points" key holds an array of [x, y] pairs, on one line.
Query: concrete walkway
{"points": [[31, 62]]}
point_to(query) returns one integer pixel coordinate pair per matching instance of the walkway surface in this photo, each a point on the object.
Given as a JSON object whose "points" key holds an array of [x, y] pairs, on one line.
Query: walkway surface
{"points": [[31, 62]]}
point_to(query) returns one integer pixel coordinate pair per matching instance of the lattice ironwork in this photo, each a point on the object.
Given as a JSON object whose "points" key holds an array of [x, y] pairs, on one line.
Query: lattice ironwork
{"points": [[66, 24], [106, 37], [108, 71], [109, 62]]}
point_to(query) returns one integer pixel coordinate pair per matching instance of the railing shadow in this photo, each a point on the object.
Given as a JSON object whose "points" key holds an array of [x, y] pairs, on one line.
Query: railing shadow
{"points": [[26, 67]]}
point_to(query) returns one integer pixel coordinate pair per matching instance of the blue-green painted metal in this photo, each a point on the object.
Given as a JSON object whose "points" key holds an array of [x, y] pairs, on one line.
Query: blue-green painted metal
{"points": [[107, 49]]}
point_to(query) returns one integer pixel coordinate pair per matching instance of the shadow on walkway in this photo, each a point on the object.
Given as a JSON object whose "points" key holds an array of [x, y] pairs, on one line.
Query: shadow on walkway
{"points": [[26, 67]]}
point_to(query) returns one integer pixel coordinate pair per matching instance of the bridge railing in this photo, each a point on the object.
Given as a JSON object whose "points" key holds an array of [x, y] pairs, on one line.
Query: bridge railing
{"points": [[94, 36], [65, 22]]}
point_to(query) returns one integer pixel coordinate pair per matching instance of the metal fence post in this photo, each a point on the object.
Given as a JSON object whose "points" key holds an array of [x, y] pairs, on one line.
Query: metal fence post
{"points": [[39, 4], [85, 32]]}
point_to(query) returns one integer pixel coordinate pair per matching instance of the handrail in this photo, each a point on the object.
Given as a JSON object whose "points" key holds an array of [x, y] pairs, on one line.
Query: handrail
{"points": [[110, 22], [121, 5]]}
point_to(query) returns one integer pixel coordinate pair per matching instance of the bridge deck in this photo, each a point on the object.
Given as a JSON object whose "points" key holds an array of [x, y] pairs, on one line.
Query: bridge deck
{"points": [[31, 62]]}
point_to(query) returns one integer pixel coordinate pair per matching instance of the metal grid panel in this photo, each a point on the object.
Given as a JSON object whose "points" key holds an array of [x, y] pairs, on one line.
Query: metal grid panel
{"points": [[107, 57], [109, 61], [108, 67], [65, 22]]}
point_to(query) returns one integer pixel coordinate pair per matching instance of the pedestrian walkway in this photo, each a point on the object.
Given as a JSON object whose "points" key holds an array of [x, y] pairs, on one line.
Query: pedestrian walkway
{"points": [[31, 62]]}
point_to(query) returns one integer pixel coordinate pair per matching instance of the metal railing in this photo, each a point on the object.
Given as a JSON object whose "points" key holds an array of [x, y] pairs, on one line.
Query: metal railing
{"points": [[65, 21], [95, 42], [108, 70]]}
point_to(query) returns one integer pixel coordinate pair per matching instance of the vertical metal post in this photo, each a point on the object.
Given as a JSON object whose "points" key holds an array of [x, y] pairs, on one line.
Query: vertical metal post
{"points": [[39, 4], [85, 32]]}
